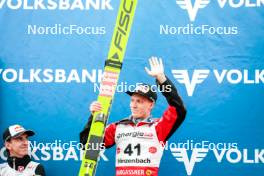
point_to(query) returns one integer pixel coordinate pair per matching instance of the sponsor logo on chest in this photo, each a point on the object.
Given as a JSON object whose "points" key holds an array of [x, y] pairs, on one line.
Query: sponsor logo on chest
{"points": [[135, 134]]}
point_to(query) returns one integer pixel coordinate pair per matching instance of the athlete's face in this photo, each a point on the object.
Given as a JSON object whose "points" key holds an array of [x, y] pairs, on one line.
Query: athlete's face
{"points": [[18, 146], [140, 106]]}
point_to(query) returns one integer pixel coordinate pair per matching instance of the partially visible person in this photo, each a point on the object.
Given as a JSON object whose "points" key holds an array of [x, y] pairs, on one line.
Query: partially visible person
{"points": [[19, 162]]}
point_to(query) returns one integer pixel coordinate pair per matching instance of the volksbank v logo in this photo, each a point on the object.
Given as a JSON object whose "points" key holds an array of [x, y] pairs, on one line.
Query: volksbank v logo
{"points": [[198, 77], [198, 154], [192, 9], [231, 154], [233, 76]]}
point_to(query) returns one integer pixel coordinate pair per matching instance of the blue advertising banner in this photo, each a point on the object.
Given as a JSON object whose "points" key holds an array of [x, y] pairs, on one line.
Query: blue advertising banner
{"points": [[52, 54]]}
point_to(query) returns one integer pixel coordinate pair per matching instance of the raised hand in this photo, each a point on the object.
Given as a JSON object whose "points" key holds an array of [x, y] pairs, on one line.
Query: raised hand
{"points": [[156, 69]]}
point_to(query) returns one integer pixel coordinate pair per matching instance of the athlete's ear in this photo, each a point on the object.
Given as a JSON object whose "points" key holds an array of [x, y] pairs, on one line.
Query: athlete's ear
{"points": [[7, 145], [152, 105]]}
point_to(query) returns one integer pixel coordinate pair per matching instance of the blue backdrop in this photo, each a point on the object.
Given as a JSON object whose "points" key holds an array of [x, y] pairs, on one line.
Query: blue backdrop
{"points": [[224, 39]]}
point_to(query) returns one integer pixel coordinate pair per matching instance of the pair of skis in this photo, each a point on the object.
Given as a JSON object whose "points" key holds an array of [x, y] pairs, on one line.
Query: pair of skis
{"points": [[113, 65]]}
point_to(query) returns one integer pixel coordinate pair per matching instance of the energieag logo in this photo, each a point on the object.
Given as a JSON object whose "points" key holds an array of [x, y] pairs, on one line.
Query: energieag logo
{"points": [[192, 8], [232, 76]]}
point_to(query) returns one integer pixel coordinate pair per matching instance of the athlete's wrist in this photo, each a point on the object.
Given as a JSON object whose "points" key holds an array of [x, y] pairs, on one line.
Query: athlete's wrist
{"points": [[161, 78]]}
